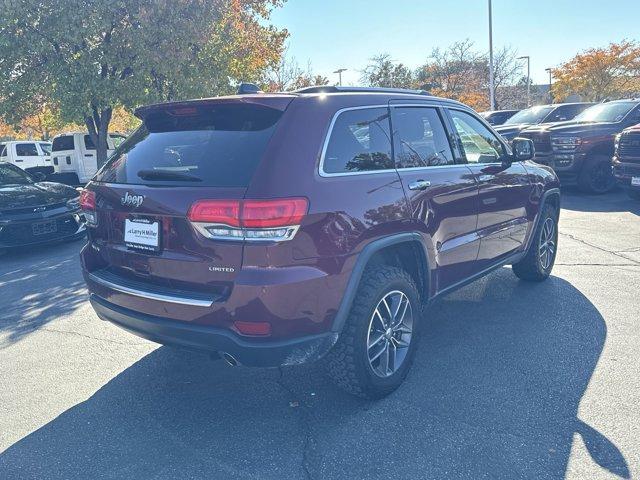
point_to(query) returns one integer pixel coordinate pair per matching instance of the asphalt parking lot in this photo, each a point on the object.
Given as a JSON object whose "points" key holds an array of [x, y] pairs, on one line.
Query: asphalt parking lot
{"points": [[512, 380]]}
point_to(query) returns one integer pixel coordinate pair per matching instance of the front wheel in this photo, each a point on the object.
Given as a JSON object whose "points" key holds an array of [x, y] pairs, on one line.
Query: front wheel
{"points": [[377, 344], [597, 175], [536, 266]]}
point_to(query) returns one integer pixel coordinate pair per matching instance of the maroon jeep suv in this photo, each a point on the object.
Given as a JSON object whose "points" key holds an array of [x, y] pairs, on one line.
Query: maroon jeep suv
{"points": [[278, 229]]}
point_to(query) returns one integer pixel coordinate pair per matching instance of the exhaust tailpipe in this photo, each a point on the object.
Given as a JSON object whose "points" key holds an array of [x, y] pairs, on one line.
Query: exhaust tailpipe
{"points": [[230, 359]]}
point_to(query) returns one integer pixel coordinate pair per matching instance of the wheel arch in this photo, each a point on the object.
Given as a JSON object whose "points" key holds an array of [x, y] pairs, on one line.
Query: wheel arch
{"points": [[405, 250], [549, 196]]}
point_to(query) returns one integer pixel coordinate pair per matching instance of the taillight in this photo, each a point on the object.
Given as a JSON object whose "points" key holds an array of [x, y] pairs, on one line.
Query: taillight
{"points": [[88, 206], [226, 212], [87, 200], [268, 220], [273, 213]]}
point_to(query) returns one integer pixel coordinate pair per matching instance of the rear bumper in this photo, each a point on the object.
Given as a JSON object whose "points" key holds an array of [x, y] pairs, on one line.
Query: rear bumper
{"points": [[256, 353]]}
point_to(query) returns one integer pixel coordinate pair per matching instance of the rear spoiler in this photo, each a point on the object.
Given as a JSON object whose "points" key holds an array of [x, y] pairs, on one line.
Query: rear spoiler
{"points": [[275, 101]]}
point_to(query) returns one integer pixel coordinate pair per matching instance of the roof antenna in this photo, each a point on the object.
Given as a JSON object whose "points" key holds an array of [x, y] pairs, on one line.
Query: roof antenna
{"points": [[248, 88]]}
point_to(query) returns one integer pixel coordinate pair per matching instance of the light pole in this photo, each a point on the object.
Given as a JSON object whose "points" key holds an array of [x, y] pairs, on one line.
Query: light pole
{"points": [[550, 71], [339, 72], [528, 78], [492, 98]]}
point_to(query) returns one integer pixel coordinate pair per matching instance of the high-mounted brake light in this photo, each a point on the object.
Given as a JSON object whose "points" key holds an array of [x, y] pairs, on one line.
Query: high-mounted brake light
{"points": [[183, 111], [266, 220]]}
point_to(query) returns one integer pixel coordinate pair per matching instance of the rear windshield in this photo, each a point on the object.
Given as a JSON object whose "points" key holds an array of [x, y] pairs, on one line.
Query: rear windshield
{"points": [[62, 143], [214, 146]]}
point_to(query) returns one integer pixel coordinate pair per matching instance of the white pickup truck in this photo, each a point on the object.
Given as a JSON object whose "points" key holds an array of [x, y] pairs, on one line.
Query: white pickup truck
{"points": [[30, 155], [75, 158]]}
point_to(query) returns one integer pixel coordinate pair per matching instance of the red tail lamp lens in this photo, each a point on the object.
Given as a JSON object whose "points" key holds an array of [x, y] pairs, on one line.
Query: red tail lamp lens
{"points": [[282, 212], [253, 328], [87, 200], [273, 213], [226, 212]]}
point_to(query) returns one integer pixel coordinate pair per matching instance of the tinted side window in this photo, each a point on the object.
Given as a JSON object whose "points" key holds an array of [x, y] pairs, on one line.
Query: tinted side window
{"points": [[46, 148], [360, 141], [26, 150], [420, 138], [479, 144], [4, 150], [62, 143], [88, 143]]}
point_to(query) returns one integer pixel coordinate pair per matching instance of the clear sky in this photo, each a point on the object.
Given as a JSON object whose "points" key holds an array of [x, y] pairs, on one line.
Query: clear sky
{"points": [[345, 34]]}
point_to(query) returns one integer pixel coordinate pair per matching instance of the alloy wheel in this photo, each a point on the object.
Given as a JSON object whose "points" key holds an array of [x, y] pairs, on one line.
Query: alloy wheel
{"points": [[390, 333], [547, 246]]}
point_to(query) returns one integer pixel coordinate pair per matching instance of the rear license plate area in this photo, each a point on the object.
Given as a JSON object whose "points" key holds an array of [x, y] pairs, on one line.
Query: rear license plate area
{"points": [[44, 228], [142, 234]]}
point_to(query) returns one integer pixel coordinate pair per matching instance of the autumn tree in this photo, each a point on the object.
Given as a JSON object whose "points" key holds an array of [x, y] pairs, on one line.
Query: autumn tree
{"points": [[382, 71], [461, 72], [91, 56], [600, 73]]}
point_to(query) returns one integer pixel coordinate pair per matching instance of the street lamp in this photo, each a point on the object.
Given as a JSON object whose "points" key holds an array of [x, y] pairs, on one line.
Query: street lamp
{"points": [[492, 98], [550, 71], [528, 78], [339, 72]]}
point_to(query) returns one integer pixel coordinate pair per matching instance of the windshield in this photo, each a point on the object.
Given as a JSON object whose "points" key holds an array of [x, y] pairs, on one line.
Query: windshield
{"points": [[10, 175], [213, 147], [530, 115], [46, 148], [606, 112]]}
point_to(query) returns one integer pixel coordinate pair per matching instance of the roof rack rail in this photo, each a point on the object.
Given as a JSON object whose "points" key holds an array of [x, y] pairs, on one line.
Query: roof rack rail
{"points": [[336, 89]]}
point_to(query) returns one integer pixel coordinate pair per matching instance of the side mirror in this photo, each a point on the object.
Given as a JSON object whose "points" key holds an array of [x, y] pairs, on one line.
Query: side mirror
{"points": [[39, 176], [523, 149]]}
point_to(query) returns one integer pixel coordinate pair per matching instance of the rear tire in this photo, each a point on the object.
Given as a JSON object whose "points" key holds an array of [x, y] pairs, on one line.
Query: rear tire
{"points": [[536, 266], [597, 175], [375, 350]]}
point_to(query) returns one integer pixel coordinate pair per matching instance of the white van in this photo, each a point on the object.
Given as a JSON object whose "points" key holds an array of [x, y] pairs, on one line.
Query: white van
{"points": [[75, 157], [29, 155]]}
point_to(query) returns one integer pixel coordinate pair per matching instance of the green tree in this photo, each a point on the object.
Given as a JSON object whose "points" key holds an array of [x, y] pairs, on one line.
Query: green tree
{"points": [[383, 72], [88, 57]]}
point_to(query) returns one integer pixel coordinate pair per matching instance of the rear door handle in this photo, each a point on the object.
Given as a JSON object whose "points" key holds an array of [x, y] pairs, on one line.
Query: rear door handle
{"points": [[419, 185]]}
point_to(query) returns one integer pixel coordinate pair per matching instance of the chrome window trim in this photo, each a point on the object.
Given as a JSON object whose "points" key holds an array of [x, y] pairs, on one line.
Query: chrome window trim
{"points": [[391, 104], [151, 295], [327, 137]]}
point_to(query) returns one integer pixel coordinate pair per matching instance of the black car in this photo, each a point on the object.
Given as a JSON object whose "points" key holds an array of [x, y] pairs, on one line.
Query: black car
{"points": [[36, 212], [580, 151], [557, 112], [498, 117]]}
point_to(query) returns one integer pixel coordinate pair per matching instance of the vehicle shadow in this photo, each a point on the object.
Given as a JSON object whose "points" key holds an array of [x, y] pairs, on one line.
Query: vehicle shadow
{"points": [[615, 201], [37, 286], [494, 393]]}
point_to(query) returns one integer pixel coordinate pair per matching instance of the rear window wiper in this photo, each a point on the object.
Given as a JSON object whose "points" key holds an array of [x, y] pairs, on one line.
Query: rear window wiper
{"points": [[167, 175]]}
